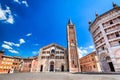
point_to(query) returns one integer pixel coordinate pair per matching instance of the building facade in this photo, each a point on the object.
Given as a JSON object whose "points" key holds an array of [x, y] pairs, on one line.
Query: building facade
{"points": [[105, 31], [6, 64], [89, 63], [26, 64], [16, 64], [9, 64], [34, 64], [52, 58]]}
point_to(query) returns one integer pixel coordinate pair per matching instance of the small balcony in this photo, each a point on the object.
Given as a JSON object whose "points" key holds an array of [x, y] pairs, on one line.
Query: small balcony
{"points": [[114, 39], [113, 31], [115, 45], [100, 44], [110, 25], [98, 38], [96, 33]]}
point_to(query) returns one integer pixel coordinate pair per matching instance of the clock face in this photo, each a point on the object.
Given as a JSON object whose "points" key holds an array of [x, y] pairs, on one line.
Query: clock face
{"points": [[72, 44]]}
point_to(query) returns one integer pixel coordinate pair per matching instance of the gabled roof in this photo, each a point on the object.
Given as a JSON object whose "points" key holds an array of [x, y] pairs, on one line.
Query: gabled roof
{"points": [[53, 44]]}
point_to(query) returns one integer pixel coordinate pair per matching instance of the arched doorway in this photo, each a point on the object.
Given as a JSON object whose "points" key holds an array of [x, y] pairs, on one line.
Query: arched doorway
{"points": [[41, 68], [107, 65], [62, 68], [51, 66], [110, 64], [104, 64]]}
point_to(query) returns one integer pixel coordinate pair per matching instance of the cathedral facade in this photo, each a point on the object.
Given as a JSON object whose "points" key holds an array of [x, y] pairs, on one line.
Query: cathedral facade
{"points": [[55, 58]]}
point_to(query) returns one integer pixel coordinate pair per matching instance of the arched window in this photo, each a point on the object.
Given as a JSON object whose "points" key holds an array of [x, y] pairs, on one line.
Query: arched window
{"points": [[52, 56], [51, 66], [53, 51]]}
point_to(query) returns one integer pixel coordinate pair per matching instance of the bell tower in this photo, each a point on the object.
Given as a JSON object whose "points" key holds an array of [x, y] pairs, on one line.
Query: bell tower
{"points": [[73, 58]]}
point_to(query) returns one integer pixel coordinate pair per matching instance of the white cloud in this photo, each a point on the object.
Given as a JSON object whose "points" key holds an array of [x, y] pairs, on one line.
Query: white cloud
{"points": [[35, 52], [2, 14], [8, 43], [36, 44], [17, 1], [85, 50], [25, 3], [91, 47], [13, 51], [17, 45], [11, 44], [10, 19], [6, 46], [29, 34], [22, 41], [6, 15], [80, 53], [81, 47]]}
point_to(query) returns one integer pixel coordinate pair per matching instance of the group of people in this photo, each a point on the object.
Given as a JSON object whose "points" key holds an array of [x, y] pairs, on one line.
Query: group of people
{"points": [[11, 70]]}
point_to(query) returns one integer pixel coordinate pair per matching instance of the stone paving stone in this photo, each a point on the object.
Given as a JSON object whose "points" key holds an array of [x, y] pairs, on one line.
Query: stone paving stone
{"points": [[57, 76]]}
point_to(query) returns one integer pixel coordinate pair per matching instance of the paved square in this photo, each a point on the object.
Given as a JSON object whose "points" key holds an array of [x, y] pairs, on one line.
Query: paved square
{"points": [[57, 76]]}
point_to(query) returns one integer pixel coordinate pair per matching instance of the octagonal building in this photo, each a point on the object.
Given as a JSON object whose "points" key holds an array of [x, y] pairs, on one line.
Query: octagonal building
{"points": [[105, 30]]}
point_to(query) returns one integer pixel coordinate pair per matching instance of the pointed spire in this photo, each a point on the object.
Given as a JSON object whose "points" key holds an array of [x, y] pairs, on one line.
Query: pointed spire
{"points": [[89, 22], [96, 14], [114, 5], [70, 21]]}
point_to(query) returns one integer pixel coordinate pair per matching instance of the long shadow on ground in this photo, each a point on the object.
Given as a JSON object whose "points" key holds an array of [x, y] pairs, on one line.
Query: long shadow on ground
{"points": [[98, 73]]}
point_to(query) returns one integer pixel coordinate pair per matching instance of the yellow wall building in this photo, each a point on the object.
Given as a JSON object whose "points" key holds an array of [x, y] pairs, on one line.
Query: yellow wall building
{"points": [[6, 64], [89, 63]]}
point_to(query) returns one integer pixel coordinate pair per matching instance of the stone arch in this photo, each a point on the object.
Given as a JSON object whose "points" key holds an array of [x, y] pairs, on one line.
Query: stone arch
{"points": [[103, 56], [106, 63], [52, 65], [62, 67]]}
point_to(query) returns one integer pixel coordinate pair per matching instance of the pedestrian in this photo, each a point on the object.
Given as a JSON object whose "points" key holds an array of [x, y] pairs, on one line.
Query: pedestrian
{"points": [[8, 71]]}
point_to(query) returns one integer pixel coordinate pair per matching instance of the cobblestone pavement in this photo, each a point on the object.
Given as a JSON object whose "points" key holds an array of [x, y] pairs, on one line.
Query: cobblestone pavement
{"points": [[58, 76]]}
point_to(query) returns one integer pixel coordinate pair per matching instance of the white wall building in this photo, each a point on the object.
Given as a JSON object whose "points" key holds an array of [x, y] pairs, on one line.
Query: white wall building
{"points": [[105, 31]]}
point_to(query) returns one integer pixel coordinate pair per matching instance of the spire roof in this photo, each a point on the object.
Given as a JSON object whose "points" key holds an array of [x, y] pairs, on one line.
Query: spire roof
{"points": [[114, 5], [96, 14], [70, 21]]}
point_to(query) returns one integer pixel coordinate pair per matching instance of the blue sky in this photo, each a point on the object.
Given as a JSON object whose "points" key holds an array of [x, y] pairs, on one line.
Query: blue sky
{"points": [[28, 25]]}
